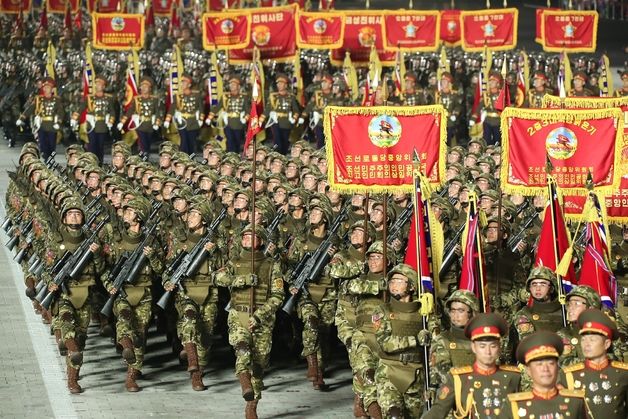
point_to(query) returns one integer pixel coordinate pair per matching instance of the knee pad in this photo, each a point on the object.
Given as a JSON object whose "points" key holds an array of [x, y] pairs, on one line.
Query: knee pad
{"points": [[125, 314], [67, 316], [241, 348], [190, 314], [313, 322]]}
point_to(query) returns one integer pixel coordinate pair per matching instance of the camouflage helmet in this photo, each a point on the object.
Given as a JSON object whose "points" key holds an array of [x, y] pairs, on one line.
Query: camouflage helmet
{"points": [[203, 208], [141, 206], [71, 202], [589, 294], [491, 194], [541, 272], [183, 192], [378, 247], [407, 271], [369, 227], [29, 148], [465, 297], [260, 232], [444, 205], [328, 214]]}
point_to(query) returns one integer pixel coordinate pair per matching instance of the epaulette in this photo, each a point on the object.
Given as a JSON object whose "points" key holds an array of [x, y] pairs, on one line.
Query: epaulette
{"points": [[511, 368], [461, 370], [575, 367], [517, 397], [620, 365], [571, 393]]}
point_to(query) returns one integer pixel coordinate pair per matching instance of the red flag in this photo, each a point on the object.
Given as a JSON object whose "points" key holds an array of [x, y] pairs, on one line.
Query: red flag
{"points": [[418, 242], [472, 275], [67, 18], [554, 240], [131, 93], [149, 21], [175, 19], [595, 270], [257, 108], [503, 100], [43, 17], [477, 99], [18, 26]]}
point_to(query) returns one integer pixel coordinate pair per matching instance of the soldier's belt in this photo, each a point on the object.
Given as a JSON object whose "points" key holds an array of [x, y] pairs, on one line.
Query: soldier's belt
{"points": [[493, 114], [351, 299], [146, 118], [410, 358], [187, 115], [233, 114], [244, 308], [47, 118], [282, 114], [99, 118]]}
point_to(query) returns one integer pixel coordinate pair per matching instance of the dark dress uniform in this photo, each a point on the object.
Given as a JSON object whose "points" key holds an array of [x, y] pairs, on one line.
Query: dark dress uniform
{"points": [[235, 108], [48, 115], [100, 117], [145, 111], [187, 112], [285, 109]]}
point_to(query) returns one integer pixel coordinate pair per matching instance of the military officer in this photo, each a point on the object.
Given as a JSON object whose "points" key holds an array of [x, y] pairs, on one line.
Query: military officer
{"points": [[47, 112], [315, 107], [256, 294], [492, 134], [233, 108], [187, 112], [452, 102], [282, 112], [579, 299], [413, 95], [540, 352], [579, 85], [144, 113], [539, 89], [605, 382], [401, 338], [624, 88], [479, 390]]}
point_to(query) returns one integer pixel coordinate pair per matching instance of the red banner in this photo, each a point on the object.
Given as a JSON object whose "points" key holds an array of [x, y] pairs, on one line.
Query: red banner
{"points": [[226, 30], [273, 32], [116, 31], [320, 30], [58, 6], [370, 149], [220, 4], [15, 6], [410, 30], [539, 16], [104, 6], [569, 30], [578, 142], [494, 28], [362, 30], [450, 27]]}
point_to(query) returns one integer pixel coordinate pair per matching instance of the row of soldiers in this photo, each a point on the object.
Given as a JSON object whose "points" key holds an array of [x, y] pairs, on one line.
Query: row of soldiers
{"points": [[195, 229]]}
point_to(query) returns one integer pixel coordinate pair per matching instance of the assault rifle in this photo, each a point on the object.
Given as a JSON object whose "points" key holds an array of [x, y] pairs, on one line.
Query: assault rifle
{"points": [[24, 228], [314, 263], [450, 251], [186, 264], [395, 230], [73, 267], [272, 227], [514, 241]]}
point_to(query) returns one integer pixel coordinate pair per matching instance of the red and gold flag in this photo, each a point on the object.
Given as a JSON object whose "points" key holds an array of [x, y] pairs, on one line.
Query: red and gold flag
{"points": [[114, 31], [493, 28], [363, 29], [539, 16], [102, 6], [273, 32], [162, 7], [226, 30], [450, 27], [370, 149], [320, 30], [576, 141], [220, 4], [15, 6], [569, 30], [59, 6], [410, 30]]}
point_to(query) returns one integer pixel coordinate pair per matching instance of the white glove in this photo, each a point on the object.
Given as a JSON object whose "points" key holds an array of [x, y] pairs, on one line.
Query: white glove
{"points": [[19, 122], [243, 117], [200, 123], [155, 127], [56, 126], [73, 123], [453, 118], [208, 121], [109, 125], [300, 121], [166, 124], [119, 126], [471, 123]]}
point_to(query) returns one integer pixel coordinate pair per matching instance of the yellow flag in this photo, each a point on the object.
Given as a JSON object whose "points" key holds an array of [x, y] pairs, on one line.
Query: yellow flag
{"points": [[605, 82], [443, 64], [297, 79], [375, 67], [567, 68], [51, 57], [351, 76], [398, 75]]}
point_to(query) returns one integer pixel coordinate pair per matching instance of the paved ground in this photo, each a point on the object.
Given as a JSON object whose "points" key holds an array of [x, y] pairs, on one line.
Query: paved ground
{"points": [[33, 384]]}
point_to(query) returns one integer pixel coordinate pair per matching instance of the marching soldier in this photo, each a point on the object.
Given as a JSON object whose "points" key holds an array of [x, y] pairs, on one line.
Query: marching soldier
{"points": [[398, 329], [540, 352], [579, 299], [283, 113], [605, 382], [624, 88], [133, 304], [413, 95], [47, 112], [579, 86], [233, 108], [314, 109], [144, 114], [539, 89], [452, 102], [479, 390], [187, 112], [492, 134], [255, 297]]}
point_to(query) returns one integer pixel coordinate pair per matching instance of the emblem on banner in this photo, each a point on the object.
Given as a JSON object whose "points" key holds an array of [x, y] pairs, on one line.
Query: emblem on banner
{"points": [[452, 25], [561, 143], [489, 29], [320, 26], [367, 36], [410, 30], [570, 30], [227, 26], [261, 35], [384, 131], [117, 24]]}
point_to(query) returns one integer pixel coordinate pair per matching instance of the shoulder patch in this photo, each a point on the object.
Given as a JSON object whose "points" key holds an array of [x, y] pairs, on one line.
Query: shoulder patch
{"points": [[278, 283], [571, 393], [522, 320], [511, 368], [574, 367], [461, 370], [517, 397], [620, 365]]}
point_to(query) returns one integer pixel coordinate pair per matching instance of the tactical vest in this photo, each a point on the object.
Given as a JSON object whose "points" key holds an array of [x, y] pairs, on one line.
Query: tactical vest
{"points": [[319, 287], [544, 315], [405, 320], [198, 287], [79, 287], [459, 347], [263, 270]]}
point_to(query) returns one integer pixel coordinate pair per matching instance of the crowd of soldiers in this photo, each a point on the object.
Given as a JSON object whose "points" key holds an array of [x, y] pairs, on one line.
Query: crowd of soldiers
{"points": [[133, 243]]}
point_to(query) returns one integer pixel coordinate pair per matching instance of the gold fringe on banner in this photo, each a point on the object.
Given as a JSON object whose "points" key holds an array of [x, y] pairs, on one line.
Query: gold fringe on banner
{"points": [[551, 101], [329, 119], [567, 116], [550, 48], [490, 12]]}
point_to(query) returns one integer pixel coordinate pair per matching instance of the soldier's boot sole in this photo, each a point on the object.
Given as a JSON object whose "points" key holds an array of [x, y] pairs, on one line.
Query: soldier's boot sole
{"points": [[37, 307], [312, 367], [128, 352], [73, 384], [197, 381], [130, 384], [247, 388], [374, 411], [46, 317], [250, 412]]}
